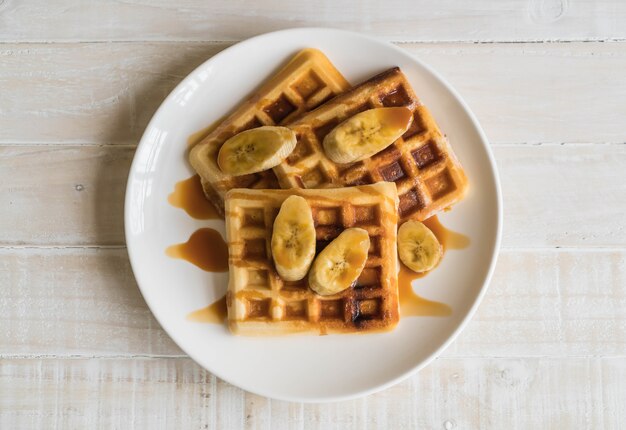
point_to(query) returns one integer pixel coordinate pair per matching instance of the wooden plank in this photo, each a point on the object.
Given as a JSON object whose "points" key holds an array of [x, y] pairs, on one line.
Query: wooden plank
{"points": [[88, 93], [82, 200], [538, 93], [557, 196], [84, 302], [551, 303], [509, 20], [69, 195], [106, 93], [449, 394], [75, 302]]}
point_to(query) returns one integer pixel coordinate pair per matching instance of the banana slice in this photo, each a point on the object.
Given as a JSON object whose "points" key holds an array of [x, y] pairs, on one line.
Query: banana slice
{"points": [[418, 247], [339, 265], [293, 239], [256, 150], [366, 133]]}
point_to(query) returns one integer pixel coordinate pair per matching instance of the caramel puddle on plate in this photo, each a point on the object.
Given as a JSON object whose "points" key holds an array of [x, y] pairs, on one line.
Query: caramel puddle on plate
{"points": [[205, 249], [188, 195], [447, 238], [215, 313], [410, 303]]}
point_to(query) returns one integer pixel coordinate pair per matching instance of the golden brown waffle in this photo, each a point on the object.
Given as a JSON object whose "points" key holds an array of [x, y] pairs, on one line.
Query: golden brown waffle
{"points": [[307, 81], [261, 303], [421, 163]]}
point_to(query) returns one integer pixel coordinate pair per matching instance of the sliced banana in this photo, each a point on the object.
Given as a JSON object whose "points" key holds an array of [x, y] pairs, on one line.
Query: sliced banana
{"points": [[339, 265], [366, 133], [293, 239], [418, 247], [256, 150]]}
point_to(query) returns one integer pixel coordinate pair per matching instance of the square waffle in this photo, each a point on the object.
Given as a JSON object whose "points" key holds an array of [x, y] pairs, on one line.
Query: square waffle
{"points": [[261, 303], [306, 82], [421, 163]]}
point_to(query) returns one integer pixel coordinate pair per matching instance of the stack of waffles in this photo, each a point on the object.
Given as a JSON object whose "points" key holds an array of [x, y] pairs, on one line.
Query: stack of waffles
{"points": [[414, 178]]}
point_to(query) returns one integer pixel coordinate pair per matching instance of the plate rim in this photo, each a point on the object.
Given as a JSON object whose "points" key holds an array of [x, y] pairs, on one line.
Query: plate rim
{"points": [[144, 143]]}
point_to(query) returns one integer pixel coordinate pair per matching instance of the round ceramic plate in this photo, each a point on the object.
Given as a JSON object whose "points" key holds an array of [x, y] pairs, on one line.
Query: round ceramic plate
{"points": [[302, 367]]}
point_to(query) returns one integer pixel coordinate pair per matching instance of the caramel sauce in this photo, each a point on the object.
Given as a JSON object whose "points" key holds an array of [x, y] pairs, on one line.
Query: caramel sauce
{"points": [[188, 195], [205, 249], [410, 303], [215, 313], [254, 294], [447, 238]]}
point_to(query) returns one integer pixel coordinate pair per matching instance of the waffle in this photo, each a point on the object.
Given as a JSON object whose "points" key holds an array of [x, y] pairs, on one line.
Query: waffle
{"points": [[307, 81], [421, 163], [261, 303]]}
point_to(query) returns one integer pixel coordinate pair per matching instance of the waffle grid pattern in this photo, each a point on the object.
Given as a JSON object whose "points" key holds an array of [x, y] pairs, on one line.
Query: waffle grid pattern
{"points": [[421, 163], [260, 302], [306, 82]]}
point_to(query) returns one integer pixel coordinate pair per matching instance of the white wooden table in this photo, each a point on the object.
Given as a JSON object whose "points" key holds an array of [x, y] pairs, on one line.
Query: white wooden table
{"points": [[78, 82]]}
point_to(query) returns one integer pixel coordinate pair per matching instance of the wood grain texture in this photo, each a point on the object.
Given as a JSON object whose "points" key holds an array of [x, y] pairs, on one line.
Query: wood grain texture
{"points": [[84, 302], [88, 93], [449, 394], [551, 303], [107, 93], [75, 302], [558, 195], [67, 195], [551, 195], [79, 347], [421, 20]]}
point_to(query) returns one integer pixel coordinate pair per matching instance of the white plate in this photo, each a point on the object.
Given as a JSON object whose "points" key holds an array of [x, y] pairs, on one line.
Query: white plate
{"points": [[302, 368]]}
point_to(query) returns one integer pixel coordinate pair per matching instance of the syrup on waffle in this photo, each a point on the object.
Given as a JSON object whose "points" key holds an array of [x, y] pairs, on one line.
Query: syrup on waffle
{"points": [[306, 82], [261, 303], [421, 163]]}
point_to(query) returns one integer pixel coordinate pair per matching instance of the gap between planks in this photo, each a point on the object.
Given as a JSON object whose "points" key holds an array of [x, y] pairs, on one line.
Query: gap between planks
{"points": [[60, 145], [485, 21], [547, 41], [156, 357], [511, 249]]}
